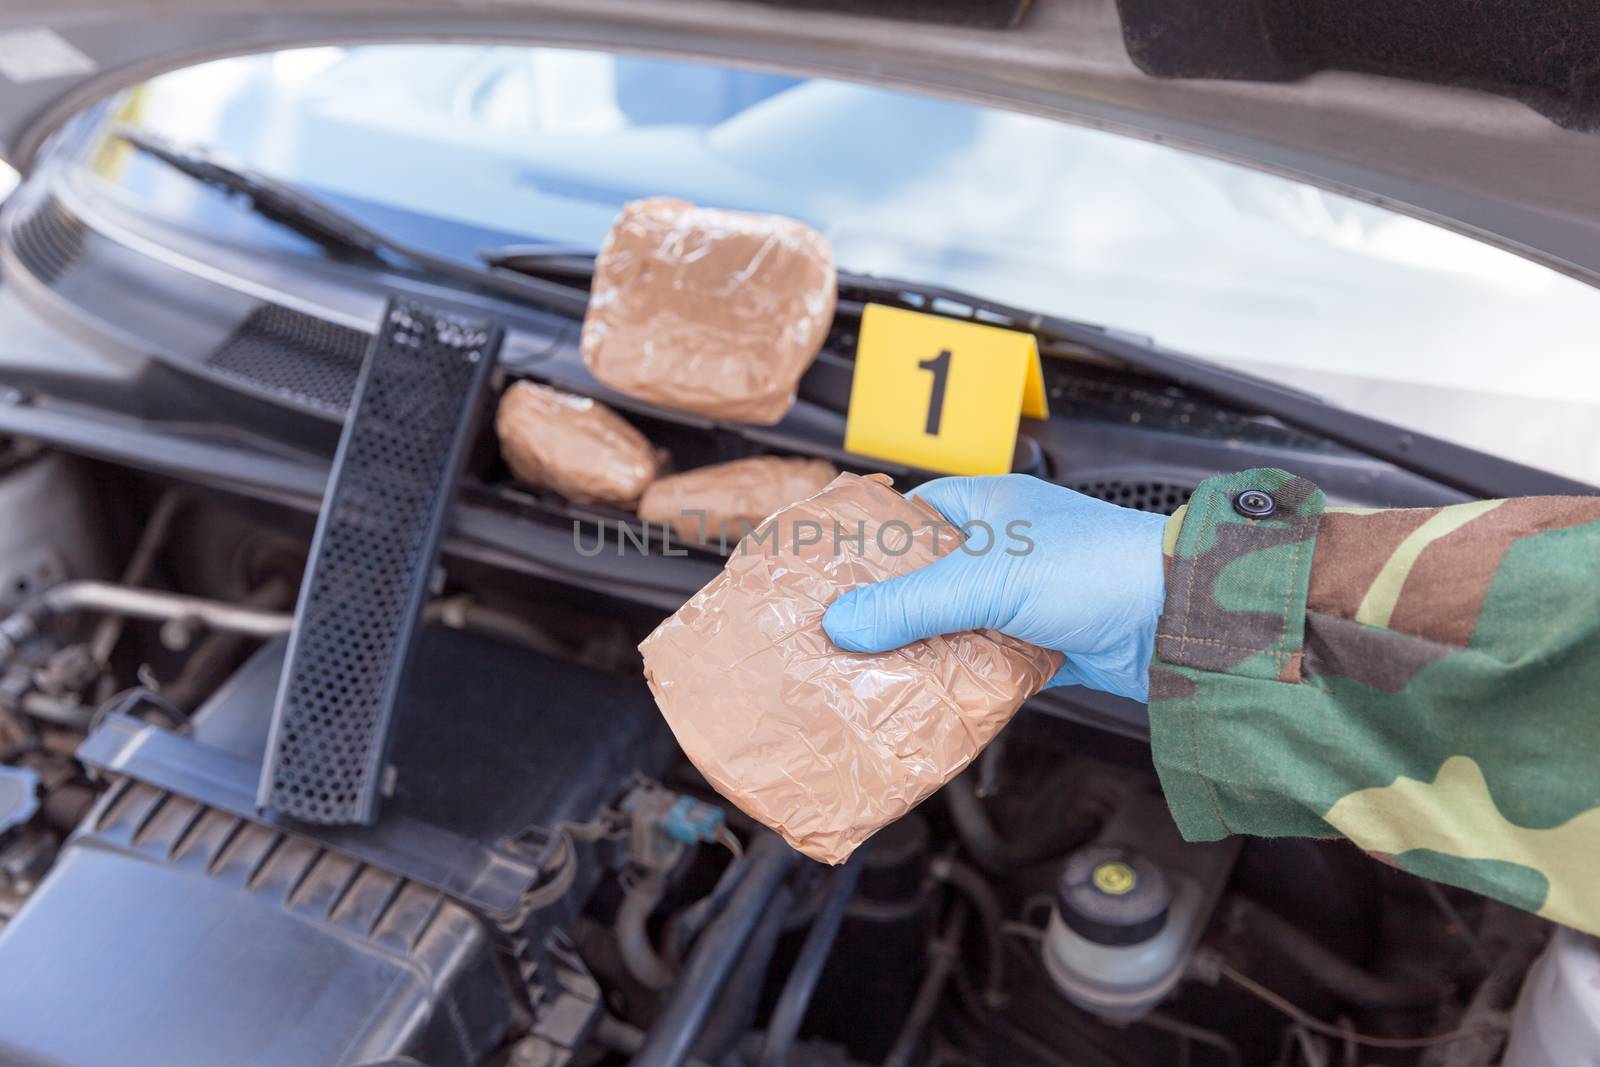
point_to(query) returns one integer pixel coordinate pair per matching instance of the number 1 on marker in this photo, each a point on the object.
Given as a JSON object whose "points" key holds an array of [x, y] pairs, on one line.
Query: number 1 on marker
{"points": [[940, 366]]}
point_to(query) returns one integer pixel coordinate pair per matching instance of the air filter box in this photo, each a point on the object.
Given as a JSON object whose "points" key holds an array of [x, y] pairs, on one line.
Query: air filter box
{"points": [[182, 927], [170, 932]]}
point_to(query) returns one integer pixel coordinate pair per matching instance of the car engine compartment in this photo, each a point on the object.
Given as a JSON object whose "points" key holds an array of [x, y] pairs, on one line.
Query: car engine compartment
{"points": [[549, 882]]}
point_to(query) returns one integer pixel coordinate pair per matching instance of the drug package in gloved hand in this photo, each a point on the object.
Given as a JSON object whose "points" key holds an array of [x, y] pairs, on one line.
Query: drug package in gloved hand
{"points": [[574, 445], [824, 746], [709, 311], [723, 502]]}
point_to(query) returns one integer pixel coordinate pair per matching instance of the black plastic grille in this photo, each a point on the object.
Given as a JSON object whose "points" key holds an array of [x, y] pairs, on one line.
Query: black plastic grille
{"points": [[1080, 391], [1163, 498], [300, 357], [376, 546], [49, 241]]}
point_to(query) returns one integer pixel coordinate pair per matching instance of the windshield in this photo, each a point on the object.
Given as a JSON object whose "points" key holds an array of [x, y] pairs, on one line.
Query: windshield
{"points": [[1377, 311]]}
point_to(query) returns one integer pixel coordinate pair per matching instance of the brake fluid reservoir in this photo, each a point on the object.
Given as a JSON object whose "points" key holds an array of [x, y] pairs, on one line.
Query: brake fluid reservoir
{"points": [[1121, 930]]}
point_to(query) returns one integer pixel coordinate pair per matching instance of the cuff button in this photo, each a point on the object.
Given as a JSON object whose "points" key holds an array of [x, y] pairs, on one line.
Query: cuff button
{"points": [[1255, 504]]}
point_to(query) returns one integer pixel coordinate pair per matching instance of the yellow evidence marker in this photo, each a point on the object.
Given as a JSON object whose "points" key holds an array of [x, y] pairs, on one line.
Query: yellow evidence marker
{"points": [[941, 394]]}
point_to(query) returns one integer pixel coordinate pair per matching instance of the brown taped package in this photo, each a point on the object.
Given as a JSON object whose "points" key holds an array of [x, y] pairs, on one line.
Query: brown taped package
{"points": [[709, 311], [574, 445], [725, 501], [824, 746]]}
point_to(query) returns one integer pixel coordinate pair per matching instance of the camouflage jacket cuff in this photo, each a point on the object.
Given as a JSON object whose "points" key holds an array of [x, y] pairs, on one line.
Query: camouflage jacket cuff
{"points": [[1238, 564]]}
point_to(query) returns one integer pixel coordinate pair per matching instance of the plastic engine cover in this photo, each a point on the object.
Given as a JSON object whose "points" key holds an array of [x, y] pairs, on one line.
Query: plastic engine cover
{"points": [[172, 933]]}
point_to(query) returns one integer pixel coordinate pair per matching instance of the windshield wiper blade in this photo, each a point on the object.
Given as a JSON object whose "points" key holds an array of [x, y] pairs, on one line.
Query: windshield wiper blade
{"points": [[271, 199], [341, 233], [568, 263], [856, 290], [1457, 466]]}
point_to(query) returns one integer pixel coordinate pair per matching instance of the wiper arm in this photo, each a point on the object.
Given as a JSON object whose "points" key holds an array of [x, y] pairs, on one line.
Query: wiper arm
{"points": [[1457, 466], [271, 199], [343, 234], [568, 263]]}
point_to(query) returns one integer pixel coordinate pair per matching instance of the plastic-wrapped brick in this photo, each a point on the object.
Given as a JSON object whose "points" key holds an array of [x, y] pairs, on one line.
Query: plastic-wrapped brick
{"points": [[825, 746], [725, 501], [574, 445], [709, 311]]}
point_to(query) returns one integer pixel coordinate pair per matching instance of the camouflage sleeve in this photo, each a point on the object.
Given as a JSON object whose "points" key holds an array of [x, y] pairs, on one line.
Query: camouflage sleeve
{"points": [[1425, 682]]}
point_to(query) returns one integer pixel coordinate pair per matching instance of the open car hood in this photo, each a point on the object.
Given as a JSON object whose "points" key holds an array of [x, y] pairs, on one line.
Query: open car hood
{"points": [[1474, 118]]}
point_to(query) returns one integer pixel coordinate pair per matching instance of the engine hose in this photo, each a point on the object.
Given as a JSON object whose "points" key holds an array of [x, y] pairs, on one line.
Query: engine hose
{"points": [[212, 659], [626, 1038], [716, 954], [633, 934], [944, 952], [991, 917], [161, 606], [686, 925], [994, 853], [1323, 965], [734, 1013], [790, 1011], [151, 540]]}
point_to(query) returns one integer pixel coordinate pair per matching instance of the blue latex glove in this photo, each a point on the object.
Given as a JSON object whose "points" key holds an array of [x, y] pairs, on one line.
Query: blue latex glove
{"points": [[1091, 586]]}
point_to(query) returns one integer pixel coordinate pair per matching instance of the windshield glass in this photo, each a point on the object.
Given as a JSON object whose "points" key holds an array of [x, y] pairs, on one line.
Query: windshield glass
{"points": [[1375, 310]]}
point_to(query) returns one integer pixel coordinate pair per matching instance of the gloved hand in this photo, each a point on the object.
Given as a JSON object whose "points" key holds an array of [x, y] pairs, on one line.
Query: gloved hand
{"points": [[1091, 585]]}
